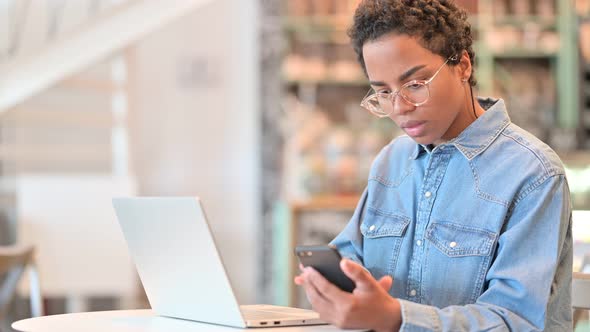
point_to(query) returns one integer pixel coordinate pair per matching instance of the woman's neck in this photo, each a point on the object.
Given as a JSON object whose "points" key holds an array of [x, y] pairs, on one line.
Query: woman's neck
{"points": [[464, 119]]}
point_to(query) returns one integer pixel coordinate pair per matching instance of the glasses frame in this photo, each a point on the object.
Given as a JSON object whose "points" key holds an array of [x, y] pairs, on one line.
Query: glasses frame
{"points": [[391, 96]]}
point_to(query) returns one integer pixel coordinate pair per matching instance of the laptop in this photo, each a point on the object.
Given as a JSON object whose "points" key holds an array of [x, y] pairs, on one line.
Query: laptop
{"points": [[180, 268]]}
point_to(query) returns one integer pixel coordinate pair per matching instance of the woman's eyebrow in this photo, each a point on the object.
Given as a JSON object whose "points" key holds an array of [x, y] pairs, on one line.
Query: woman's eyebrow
{"points": [[402, 77], [410, 72]]}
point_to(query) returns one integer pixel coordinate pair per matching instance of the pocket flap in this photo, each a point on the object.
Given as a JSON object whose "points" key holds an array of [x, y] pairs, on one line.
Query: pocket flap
{"points": [[458, 240], [377, 223]]}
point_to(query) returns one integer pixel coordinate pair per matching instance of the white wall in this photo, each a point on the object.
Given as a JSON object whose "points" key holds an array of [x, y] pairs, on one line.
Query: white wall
{"points": [[195, 125]]}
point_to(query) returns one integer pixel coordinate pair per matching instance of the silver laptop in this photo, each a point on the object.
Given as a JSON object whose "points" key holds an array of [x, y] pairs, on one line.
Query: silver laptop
{"points": [[182, 273]]}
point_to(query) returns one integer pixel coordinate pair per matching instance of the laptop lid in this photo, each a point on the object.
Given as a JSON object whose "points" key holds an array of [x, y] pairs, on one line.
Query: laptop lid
{"points": [[175, 255]]}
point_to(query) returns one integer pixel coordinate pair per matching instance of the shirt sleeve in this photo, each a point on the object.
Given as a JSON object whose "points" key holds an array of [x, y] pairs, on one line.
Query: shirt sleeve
{"points": [[532, 266], [350, 241]]}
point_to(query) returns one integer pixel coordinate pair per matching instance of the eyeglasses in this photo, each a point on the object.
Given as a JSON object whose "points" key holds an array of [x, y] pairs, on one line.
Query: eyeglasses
{"points": [[414, 92]]}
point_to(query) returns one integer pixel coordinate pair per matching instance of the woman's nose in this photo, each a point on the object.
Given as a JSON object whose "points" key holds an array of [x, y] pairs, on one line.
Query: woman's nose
{"points": [[401, 106]]}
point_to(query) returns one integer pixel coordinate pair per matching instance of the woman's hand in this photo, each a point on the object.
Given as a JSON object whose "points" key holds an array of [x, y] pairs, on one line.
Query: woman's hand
{"points": [[368, 306]]}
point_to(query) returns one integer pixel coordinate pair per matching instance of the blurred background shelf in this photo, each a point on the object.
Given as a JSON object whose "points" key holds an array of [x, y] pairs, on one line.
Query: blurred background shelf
{"points": [[527, 53], [524, 54], [543, 22], [305, 222], [331, 82]]}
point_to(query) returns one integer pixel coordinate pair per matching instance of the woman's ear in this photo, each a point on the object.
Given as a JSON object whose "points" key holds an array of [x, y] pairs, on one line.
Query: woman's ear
{"points": [[464, 66]]}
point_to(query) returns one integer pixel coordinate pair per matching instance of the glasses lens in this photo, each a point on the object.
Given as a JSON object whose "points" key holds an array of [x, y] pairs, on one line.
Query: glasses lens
{"points": [[375, 105], [416, 93]]}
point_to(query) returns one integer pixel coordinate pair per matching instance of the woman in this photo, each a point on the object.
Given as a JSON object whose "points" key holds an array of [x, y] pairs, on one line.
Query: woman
{"points": [[465, 222]]}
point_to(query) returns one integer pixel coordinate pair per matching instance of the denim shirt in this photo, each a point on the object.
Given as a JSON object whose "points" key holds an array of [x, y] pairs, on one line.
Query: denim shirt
{"points": [[475, 232]]}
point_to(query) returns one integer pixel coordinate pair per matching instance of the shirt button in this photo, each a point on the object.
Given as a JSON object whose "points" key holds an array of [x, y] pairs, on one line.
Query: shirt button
{"points": [[442, 147], [372, 228], [419, 243], [413, 292], [428, 194], [453, 244]]}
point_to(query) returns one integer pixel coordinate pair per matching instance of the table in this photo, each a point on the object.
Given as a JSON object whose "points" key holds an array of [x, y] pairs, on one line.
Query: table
{"points": [[136, 321]]}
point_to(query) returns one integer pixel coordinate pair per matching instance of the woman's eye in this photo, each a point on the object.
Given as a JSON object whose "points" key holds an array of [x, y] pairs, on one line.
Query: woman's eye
{"points": [[415, 86]]}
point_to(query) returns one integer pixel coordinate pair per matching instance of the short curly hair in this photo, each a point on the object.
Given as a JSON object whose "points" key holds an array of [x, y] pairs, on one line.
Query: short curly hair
{"points": [[439, 25]]}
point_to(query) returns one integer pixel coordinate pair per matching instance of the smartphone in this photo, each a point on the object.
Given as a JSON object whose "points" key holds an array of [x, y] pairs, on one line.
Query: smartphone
{"points": [[326, 260]]}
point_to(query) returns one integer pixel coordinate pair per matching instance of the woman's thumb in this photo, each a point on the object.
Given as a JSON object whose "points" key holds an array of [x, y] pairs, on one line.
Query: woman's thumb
{"points": [[386, 282]]}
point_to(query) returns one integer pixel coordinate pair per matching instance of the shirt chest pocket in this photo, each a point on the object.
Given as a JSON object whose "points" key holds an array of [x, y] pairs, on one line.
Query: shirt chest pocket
{"points": [[382, 237], [457, 240], [457, 260]]}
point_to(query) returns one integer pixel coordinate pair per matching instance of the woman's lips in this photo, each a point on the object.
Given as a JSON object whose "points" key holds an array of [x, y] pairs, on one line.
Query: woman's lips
{"points": [[414, 128]]}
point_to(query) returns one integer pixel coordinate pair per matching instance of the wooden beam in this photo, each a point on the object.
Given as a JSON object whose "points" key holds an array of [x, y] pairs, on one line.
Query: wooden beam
{"points": [[24, 77]]}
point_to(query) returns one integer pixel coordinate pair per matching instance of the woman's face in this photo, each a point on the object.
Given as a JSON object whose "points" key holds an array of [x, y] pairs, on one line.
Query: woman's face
{"points": [[394, 60]]}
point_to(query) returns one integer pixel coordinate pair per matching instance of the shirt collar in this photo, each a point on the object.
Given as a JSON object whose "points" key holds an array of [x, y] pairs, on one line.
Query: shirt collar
{"points": [[419, 149], [481, 133]]}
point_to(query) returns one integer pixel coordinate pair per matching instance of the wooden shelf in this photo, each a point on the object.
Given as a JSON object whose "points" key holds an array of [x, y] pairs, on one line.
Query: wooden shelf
{"points": [[333, 22], [328, 202], [522, 21], [523, 53], [327, 81], [323, 37]]}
